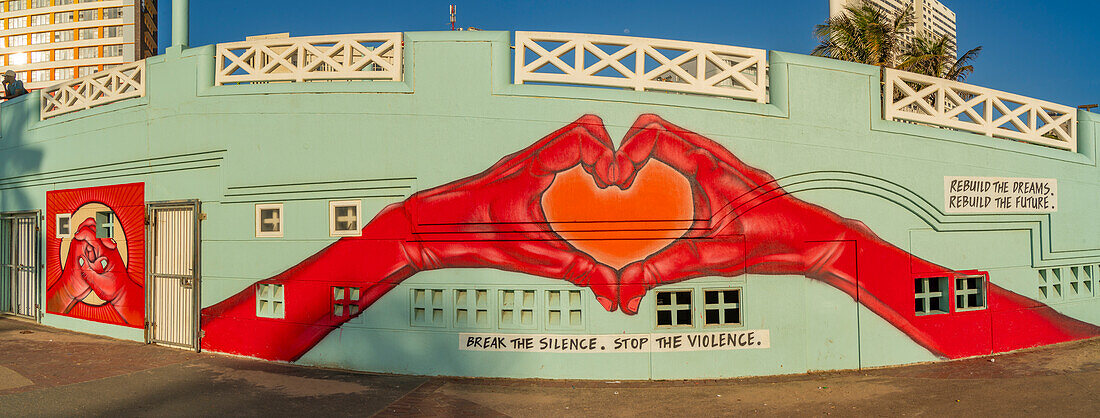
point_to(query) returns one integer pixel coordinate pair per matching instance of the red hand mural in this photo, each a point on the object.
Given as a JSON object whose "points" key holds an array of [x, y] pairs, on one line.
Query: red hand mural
{"points": [[94, 282], [97, 278], [748, 224], [745, 223], [493, 219]]}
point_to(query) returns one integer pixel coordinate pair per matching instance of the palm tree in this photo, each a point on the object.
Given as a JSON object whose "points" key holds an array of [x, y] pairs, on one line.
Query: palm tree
{"points": [[930, 55], [866, 34]]}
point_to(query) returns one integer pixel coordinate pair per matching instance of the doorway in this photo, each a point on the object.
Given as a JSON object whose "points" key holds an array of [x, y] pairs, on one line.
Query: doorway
{"points": [[173, 279], [19, 264]]}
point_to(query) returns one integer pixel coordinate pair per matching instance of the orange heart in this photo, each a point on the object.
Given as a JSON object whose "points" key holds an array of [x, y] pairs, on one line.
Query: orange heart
{"points": [[615, 226]]}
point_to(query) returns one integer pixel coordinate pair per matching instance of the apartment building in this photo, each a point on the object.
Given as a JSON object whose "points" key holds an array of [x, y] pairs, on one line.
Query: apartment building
{"points": [[49, 41], [931, 16]]}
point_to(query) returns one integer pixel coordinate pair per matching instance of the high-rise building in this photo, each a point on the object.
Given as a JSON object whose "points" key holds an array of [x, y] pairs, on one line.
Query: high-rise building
{"points": [[48, 41], [931, 16]]}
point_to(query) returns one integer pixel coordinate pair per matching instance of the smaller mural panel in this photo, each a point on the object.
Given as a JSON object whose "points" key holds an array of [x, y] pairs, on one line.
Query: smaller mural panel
{"points": [[999, 195], [95, 254]]}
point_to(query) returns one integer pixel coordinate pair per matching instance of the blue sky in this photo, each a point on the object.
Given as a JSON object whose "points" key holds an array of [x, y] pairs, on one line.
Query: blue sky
{"points": [[1043, 49]]}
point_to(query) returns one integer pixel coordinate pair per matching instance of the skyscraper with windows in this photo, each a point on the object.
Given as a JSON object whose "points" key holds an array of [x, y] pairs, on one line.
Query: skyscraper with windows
{"points": [[931, 16], [49, 41]]}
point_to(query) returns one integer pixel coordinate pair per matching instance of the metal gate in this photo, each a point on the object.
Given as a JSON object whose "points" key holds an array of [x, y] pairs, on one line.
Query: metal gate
{"points": [[172, 281], [19, 264]]}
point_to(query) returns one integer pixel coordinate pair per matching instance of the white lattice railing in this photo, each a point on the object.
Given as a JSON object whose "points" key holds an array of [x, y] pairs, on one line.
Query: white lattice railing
{"points": [[363, 56], [120, 82], [935, 101], [641, 64]]}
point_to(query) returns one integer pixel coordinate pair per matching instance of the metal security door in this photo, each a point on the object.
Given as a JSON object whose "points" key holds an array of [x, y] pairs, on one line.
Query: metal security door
{"points": [[172, 283], [19, 261]]}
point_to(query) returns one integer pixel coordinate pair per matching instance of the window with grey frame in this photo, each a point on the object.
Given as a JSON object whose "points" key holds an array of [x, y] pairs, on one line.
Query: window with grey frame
{"points": [[105, 224], [970, 292], [931, 295], [86, 15], [112, 13], [112, 51]]}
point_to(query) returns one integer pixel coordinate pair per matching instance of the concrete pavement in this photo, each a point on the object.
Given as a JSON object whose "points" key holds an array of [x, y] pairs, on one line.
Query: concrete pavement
{"points": [[51, 372]]}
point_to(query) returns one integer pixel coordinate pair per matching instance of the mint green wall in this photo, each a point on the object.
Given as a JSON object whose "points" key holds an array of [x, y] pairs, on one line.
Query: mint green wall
{"points": [[456, 113]]}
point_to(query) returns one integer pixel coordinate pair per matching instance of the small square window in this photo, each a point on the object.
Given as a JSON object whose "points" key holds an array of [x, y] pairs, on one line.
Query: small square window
{"points": [[931, 295], [722, 307], [270, 301], [269, 220], [427, 308], [343, 218], [969, 293], [63, 229], [674, 308], [517, 309]]}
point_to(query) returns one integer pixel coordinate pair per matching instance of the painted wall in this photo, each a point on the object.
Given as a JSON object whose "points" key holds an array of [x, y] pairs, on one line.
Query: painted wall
{"points": [[824, 258], [95, 254]]}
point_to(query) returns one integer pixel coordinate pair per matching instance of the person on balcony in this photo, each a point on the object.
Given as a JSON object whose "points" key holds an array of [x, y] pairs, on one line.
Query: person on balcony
{"points": [[12, 86]]}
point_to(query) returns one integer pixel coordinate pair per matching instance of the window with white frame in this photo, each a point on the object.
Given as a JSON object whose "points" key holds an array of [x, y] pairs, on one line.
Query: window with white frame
{"points": [[40, 56], [269, 220], [90, 14], [63, 73], [89, 33], [17, 22], [62, 2], [63, 17], [40, 3], [16, 5], [112, 32], [87, 71], [343, 218], [40, 75], [62, 54], [18, 40], [112, 13], [40, 20], [40, 38], [62, 227], [89, 52], [63, 36]]}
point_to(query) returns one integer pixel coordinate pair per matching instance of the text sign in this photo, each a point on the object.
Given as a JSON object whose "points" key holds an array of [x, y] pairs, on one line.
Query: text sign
{"points": [[616, 343], [1000, 195]]}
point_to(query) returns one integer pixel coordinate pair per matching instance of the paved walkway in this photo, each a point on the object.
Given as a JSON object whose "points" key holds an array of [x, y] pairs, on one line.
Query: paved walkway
{"points": [[46, 371]]}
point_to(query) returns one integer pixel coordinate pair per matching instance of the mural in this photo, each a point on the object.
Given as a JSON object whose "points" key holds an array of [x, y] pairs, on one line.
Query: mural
{"points": [[668, 205], [95, 263]]}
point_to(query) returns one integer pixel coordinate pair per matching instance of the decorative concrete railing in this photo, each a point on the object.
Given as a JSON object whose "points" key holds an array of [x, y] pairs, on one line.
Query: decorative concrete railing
{"points": [[641, 64], [363, 56], [935, 101], [121, 82]]}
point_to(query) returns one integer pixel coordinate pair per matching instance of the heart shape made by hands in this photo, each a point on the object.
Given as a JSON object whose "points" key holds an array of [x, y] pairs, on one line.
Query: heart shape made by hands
{"points": [[615, 226]]}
